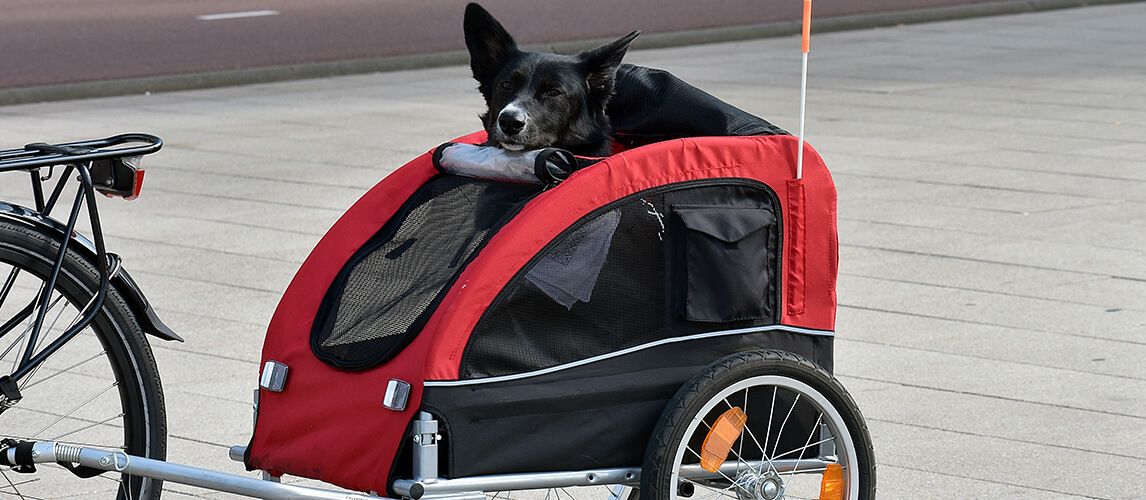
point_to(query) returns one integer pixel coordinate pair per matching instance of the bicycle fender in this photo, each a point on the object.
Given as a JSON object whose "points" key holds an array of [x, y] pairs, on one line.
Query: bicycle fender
{"points": [[124, 284]]}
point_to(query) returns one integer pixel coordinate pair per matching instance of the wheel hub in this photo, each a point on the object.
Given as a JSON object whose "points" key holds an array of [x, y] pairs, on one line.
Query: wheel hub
{"points": [[759, 486]]}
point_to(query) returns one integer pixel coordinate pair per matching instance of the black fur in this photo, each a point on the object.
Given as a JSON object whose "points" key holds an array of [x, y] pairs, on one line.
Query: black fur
{"points": [[563, 96]]}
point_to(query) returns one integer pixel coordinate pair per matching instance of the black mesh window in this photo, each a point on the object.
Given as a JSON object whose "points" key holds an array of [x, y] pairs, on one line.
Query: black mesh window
{"points": [[383, 293], [616, 279]]}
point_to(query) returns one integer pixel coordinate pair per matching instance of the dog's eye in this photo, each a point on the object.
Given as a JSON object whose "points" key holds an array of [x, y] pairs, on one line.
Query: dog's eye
{"points": [[505, 85], [553, 93]]}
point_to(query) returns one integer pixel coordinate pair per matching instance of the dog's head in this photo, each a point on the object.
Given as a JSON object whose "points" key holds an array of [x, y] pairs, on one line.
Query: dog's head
{"points": [[538, 100]]}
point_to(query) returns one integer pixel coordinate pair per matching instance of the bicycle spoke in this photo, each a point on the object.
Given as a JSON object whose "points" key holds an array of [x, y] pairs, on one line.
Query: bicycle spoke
{"points": [[123, 480], [19, 341], [718, 471], [807, 444], [86, 427], [73, 410], [768, 433], [617, 492], [67, 441], [740, 446], [817, 443], [44, 337], [10, 483], [65, 370], [763, 449], [24, 334], [785, 423]]}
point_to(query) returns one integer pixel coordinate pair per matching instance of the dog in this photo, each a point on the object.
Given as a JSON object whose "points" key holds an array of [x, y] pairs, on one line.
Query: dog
{"points": [[537, 100]]}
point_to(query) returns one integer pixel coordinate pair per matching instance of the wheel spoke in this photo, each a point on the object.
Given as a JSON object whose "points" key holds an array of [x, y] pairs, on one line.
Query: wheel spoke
{"points": [[19, 340], [73, 410], [740, 444], [65, 370], [768, 433], [718, 471], [86, 427], [29, 324], [44, 336], [66, 441], [785, 423], [817, 443], [765, 461], [807, 444], [10, 483], [617, 492]]}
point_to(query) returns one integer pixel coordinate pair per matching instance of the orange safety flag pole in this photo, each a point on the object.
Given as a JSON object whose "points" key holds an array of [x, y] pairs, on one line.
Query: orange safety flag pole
{"points": [[805, 34]]}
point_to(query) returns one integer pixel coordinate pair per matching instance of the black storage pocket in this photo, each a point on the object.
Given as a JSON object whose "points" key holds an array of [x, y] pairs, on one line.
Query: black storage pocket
{"points": [[726, 262]]}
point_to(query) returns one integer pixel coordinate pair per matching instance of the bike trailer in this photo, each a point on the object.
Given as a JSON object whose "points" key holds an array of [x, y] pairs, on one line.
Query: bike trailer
{"points": [[546, 326]]}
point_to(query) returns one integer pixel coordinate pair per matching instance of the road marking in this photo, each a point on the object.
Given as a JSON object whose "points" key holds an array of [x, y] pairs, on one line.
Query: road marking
{"points": [[237, 15]]}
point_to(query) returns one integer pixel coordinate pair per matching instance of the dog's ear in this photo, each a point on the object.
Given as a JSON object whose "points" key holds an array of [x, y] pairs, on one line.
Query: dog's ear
{"points": [[600, 65], [489, 45]]}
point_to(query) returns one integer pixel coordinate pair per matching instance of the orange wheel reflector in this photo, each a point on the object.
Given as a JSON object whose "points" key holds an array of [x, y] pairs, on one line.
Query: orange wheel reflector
{"points": [[832, 485], [721, 437]]}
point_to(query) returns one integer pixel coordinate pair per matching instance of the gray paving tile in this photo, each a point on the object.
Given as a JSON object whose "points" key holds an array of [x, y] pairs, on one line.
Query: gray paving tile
{"points": [[1004, 464]]}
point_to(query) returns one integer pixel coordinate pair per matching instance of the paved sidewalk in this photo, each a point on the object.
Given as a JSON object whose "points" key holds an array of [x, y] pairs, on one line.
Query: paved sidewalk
{"points": [[992, 219]]}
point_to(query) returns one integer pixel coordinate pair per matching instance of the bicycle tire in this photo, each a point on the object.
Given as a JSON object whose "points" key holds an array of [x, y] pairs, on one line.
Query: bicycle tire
{"points": [[130, 365], [767, 368]]}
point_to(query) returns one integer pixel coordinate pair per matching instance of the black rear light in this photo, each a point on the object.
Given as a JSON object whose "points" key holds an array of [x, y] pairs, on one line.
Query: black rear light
{"points": [[118, 177]]}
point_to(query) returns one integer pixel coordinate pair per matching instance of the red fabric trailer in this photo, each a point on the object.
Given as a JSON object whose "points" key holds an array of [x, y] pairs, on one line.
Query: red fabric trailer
{"points": [[565, 313]]}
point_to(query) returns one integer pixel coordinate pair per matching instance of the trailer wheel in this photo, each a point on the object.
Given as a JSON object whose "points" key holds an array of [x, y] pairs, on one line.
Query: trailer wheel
{"points": [[760, 425]]}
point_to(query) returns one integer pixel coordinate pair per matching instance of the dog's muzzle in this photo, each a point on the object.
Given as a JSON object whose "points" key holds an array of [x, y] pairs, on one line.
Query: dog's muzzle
{"points": [[510, 123]]}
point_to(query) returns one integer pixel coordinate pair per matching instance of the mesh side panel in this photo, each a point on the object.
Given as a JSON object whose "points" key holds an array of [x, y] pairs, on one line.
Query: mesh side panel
{"points": [[379, 298], [636, 297]]}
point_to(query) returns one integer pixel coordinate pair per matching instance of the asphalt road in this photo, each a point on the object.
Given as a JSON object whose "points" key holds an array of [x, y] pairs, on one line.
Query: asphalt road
{"points": [[65, 41]]}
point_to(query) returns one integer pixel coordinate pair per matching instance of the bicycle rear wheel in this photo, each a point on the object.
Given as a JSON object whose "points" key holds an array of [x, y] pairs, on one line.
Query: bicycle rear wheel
{"points": [[100, 389]]}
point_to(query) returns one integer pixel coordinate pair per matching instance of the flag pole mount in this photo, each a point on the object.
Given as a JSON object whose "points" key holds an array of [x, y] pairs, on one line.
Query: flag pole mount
{"points": [[805, 34]]}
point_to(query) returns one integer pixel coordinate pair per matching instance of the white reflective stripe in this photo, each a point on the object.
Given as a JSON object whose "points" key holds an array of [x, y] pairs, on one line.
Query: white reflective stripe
{"points": [[237, 15], [622, 352]]}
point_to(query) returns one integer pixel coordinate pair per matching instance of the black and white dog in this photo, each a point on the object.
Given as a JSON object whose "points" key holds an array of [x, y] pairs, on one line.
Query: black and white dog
{"points": [[537, 100]]}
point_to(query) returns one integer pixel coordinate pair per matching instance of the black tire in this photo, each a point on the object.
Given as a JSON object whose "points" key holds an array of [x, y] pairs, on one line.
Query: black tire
{"points": [[63, 385], [740, 369]]}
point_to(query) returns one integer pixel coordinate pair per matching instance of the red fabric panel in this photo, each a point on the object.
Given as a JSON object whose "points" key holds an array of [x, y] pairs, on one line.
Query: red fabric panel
{"points": [[308, 429], [770, 159]]}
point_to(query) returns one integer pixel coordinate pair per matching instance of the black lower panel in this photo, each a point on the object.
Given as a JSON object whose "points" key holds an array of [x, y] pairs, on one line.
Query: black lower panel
{"points": [[597, 415]]}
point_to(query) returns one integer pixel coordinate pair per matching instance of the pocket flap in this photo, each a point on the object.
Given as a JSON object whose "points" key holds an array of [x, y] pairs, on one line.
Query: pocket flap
{"points": [[728, 224]]}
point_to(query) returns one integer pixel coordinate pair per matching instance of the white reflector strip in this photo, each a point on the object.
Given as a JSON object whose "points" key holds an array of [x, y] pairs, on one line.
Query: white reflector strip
{"points": [[237, 15], [622, 352]]}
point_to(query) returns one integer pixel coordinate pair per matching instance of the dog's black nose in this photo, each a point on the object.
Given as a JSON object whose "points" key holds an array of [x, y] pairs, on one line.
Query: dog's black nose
{"points": [[510, 123]]}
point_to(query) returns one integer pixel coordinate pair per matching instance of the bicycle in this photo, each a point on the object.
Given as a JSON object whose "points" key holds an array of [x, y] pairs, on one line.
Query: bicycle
{"points": [[73, 320]]}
